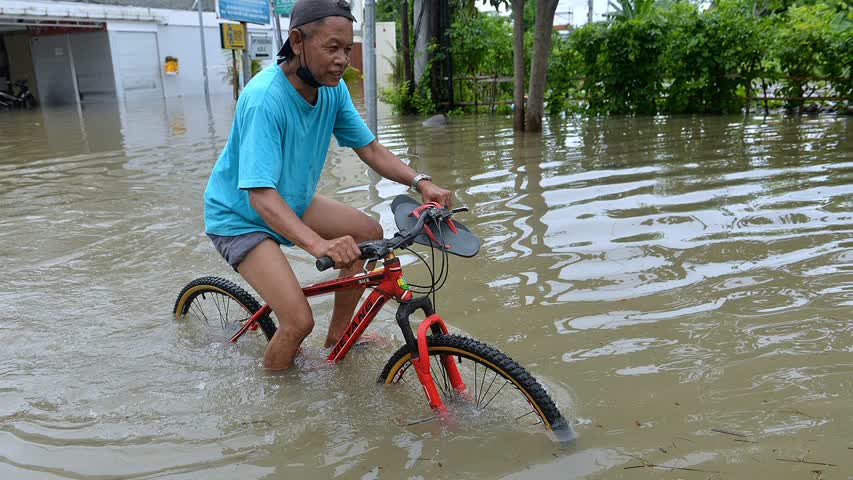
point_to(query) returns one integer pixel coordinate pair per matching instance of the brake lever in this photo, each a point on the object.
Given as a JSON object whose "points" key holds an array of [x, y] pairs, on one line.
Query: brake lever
{"points": [[367, 261]]}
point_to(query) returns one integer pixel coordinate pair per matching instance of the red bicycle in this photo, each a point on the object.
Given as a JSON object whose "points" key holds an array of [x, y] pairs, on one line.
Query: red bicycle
{"points": [[452, 369]]}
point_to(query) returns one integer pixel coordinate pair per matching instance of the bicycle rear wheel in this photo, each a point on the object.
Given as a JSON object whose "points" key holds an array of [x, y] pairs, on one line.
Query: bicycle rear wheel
{"points": [[221, 303], [497, 385]]}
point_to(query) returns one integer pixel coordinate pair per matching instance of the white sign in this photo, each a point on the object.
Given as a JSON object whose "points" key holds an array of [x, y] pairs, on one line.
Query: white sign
{"points": [[260, 45]]}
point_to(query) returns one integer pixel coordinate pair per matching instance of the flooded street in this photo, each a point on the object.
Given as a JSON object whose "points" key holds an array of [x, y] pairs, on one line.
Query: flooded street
{"points": [[682, 286]]}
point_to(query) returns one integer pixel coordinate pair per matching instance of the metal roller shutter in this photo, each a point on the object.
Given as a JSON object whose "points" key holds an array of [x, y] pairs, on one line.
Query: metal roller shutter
{"points": [[139, 67]]}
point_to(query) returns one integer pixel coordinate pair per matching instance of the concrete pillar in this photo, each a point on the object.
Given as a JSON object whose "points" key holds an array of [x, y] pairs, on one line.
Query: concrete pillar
{"points": [[422, 25]]}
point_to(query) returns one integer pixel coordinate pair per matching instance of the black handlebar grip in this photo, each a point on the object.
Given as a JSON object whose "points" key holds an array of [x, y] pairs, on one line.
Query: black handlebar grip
{"points": [[324, 263]]}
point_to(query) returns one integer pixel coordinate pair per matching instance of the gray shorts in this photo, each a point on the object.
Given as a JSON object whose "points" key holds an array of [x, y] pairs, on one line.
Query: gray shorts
{"points": [[234, 249]]}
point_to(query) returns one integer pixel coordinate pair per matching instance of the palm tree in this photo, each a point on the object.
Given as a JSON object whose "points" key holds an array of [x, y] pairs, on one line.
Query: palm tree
{"points": [[621, 10]]}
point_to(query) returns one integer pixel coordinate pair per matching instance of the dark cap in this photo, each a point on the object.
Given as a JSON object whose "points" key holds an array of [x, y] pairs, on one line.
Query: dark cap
{"points": [[307, 11]]}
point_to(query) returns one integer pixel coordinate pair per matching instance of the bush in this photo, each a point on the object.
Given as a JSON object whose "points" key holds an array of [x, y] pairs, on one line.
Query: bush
{"points": [[620, 63], [564, 72], [402, 101], [808, 44], [710, 56], [397, 96]]}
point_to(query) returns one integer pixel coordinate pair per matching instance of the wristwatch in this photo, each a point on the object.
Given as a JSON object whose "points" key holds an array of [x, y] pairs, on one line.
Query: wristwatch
{"points": [[418, 178]]}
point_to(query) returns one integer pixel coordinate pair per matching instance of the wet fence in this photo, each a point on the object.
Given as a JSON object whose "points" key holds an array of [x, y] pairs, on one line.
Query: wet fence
{"points": [[763, 92]]}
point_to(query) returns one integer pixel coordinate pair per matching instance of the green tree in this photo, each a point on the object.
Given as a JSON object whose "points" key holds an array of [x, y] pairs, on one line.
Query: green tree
{"points": [[388, 11], [542, 42], [481, 43]]}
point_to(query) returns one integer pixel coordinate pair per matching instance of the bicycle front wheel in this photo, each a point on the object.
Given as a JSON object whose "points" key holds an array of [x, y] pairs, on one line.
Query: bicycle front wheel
{"points": [[497, 386], [217, 302]]}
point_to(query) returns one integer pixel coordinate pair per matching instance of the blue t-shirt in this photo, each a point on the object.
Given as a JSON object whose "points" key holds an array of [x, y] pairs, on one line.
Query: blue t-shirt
{"points": [[280, 141]]}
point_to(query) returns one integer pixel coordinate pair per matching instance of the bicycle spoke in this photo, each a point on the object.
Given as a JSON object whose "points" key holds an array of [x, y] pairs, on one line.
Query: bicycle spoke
{"points": [[201, 311], [221, 306], [538, 420], [481, 395], [446, 378], [438, 385], [227, 305], [513, 405], [526, 414], [490, 386], [495, 395], [476, 396], [223, 302], [223, 322], [402, 378], [213, 300]]}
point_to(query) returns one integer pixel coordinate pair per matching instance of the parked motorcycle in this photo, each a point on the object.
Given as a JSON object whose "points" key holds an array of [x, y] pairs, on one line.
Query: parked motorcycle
{"points": [[23, 99]]}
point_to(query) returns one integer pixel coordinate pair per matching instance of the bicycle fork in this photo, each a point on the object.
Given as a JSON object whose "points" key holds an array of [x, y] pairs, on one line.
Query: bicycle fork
{"points": [[420, 351]]}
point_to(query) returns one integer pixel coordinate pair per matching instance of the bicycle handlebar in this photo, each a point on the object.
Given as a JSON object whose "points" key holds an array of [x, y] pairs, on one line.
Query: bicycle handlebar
{"points": [[324, 263], [377, 249]]}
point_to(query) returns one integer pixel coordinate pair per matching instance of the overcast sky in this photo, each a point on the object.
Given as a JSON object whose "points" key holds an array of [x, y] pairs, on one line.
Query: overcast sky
{"points": [[579, 9]]}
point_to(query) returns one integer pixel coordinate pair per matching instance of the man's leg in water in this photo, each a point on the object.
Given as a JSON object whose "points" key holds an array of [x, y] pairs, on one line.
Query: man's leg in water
{"points": [[267, 270], [332, 219]]}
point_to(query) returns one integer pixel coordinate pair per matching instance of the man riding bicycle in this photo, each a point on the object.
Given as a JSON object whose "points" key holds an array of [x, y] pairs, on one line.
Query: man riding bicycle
{"points": [[261, 193]]}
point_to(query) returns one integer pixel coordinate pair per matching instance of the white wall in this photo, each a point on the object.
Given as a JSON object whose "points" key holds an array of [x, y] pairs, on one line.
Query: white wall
{"points": [[184, 43], [178, 36], [386, 52]]}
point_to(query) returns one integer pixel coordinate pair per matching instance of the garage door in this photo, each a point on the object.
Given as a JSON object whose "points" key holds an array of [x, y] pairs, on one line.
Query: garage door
{"points": [[136, 54], [52, 66]]}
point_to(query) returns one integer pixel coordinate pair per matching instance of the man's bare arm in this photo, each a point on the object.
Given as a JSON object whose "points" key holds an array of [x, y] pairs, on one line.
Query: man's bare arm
{"points": [[379, 158]]}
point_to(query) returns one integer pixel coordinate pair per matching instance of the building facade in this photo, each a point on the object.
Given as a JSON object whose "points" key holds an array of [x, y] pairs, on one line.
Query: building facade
{"points": [[77, 52]]}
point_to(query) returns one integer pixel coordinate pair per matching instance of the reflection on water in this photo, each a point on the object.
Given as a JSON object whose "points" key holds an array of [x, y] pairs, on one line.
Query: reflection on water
{"points": [[683, 286]]}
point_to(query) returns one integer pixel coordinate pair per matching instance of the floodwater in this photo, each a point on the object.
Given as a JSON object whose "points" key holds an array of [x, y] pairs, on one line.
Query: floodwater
{"points": [[683, 286]]}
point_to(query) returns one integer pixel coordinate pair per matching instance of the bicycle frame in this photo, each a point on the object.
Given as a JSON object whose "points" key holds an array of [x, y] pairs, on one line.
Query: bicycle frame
{"points": [[388, 283]]}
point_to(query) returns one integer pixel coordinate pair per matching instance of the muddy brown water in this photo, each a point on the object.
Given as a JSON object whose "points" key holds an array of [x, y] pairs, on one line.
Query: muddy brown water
{"points": [[683, 286]]}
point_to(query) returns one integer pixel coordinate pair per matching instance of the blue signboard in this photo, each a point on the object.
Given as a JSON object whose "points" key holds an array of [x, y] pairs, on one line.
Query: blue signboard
{"points": [[252, 11], [284, 7]]}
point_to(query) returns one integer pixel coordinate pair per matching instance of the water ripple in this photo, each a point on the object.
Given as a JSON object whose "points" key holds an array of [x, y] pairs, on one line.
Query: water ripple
{"points": [[679, 274]]}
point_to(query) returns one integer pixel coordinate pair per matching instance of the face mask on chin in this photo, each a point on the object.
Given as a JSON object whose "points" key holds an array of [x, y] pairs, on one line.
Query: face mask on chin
{"points": [[304, 74]]}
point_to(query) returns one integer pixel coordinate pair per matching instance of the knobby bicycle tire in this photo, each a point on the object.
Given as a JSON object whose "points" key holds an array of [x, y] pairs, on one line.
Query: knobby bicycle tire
{"points": [[225, 287], [492, 359]]}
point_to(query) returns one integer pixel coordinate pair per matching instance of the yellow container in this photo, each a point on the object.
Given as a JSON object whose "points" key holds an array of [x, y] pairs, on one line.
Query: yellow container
{"points": [[171, 66]]}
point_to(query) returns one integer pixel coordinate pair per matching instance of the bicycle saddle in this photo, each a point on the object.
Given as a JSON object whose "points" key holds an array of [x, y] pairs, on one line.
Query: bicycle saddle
{"points": [[462, 242]]}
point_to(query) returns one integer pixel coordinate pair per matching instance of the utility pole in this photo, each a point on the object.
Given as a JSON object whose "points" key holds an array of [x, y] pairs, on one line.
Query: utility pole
{"points": [[276, 28], [370, 63], [244, 54], [203, 49], [589, 17]]}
